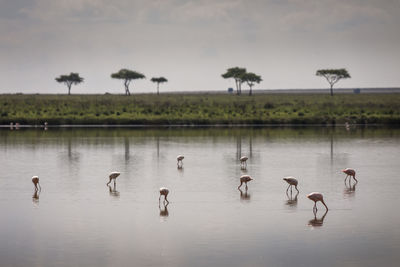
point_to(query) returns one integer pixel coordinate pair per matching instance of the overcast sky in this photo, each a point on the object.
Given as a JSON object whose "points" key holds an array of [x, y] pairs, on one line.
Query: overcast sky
{"points": [[192, 43]]}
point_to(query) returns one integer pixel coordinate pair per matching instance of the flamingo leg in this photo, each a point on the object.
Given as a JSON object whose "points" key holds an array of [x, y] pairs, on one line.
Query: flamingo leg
{"points": [[246, 186], [355, 178], [240, 185], [324, 205], [297, 189], [159, 199], [287, 189], [109, 182], [166, 198]]}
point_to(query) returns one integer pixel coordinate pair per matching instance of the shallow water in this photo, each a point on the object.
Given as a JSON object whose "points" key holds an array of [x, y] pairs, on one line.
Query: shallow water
{"points": [[77, 220]]}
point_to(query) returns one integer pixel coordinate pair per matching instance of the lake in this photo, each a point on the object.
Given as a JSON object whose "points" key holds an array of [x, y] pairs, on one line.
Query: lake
{"points": [[76, 220]]}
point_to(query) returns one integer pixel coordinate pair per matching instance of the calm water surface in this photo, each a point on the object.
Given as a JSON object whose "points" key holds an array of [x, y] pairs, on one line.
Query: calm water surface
{"points": [[77, 220]]}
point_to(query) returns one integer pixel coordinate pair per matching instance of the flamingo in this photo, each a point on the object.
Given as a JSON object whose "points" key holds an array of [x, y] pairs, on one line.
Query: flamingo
{"points": [[351, 173], [292, 182], [35, 181], [163, 192], [244, 179], [243, 161], [179, 159], [113, 176], [315, 196]]}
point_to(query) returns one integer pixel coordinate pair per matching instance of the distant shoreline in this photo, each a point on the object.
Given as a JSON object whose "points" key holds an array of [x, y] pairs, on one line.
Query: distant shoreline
{"points": [[200, 110]]}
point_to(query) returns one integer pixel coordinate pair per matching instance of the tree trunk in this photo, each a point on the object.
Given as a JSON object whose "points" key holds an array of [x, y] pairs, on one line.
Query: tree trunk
{"points": [[69, 89], [331, 89], [237, 87], [158, 85], [251, 91]]}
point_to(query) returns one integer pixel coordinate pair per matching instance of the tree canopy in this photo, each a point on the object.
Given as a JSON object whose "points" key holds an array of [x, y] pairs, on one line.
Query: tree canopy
{"points": [[250, 78], [69, 80], [235, 73], [158, 81], [333, 76], [127, 76]]}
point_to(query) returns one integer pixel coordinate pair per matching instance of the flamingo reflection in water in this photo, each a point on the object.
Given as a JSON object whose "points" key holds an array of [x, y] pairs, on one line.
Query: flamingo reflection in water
{"points": [[317, 222], [164, 209], [244, 196], [113, 191], [292, 201]]}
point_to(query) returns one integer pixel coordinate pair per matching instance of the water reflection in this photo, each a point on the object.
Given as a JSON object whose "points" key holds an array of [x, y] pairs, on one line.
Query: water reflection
{"points": [[244, 196], [163, 210], [350, 189], [113, 190], [35, 197], [291, 201], [315, 222]]}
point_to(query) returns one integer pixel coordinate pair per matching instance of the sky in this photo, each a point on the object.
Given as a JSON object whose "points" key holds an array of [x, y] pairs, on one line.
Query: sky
{"points": [[192, 43]]}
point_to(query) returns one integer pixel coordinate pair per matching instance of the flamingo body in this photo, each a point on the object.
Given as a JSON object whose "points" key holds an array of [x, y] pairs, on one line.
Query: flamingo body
{"points": [[35, 181], [163, 192], [113, 176], [351, 173], [292, 182], [244, 179], [243, 161], [316, 196], [179, 158]]}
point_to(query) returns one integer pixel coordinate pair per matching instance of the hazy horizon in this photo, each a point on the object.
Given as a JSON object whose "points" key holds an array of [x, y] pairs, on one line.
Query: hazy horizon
{"points": [[192, 43]]}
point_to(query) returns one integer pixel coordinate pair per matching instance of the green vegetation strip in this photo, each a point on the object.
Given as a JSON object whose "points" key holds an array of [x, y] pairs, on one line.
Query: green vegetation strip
{"points": [[200, 109]]}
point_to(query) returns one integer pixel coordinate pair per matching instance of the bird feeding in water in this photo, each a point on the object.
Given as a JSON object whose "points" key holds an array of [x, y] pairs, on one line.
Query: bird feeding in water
{"points": [[35, 181], [315, 196], [180, 162], [351, 173], [243, 162], [163, 192], [292, 182], [244, 179], [113, 176]]}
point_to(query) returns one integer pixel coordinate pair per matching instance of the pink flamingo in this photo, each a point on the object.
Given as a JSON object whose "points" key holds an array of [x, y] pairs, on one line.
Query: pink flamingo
{"points": [[243, 162], [244, 179], [292, 182], [315, 196], [113, 176], [351, 173], [180, 162], [35, 181], [163, 192]]}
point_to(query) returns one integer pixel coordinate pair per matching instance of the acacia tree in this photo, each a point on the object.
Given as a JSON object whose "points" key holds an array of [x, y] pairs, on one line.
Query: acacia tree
{"points": [[333, 76], [127, 76], [158, 81], [69, 80], [235, 73], [250, 78]]}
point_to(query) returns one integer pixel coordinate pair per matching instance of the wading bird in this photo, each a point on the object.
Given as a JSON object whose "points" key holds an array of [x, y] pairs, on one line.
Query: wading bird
{"points": [[163, 192], [315, 196], [243, 161], [35, 181], [292, 182], [179, 159], [351, 173], [113, 176], [244, 179]]}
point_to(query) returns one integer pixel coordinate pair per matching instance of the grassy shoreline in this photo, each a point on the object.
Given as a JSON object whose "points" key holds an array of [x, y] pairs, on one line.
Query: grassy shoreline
{"points": [[200, 109]]}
